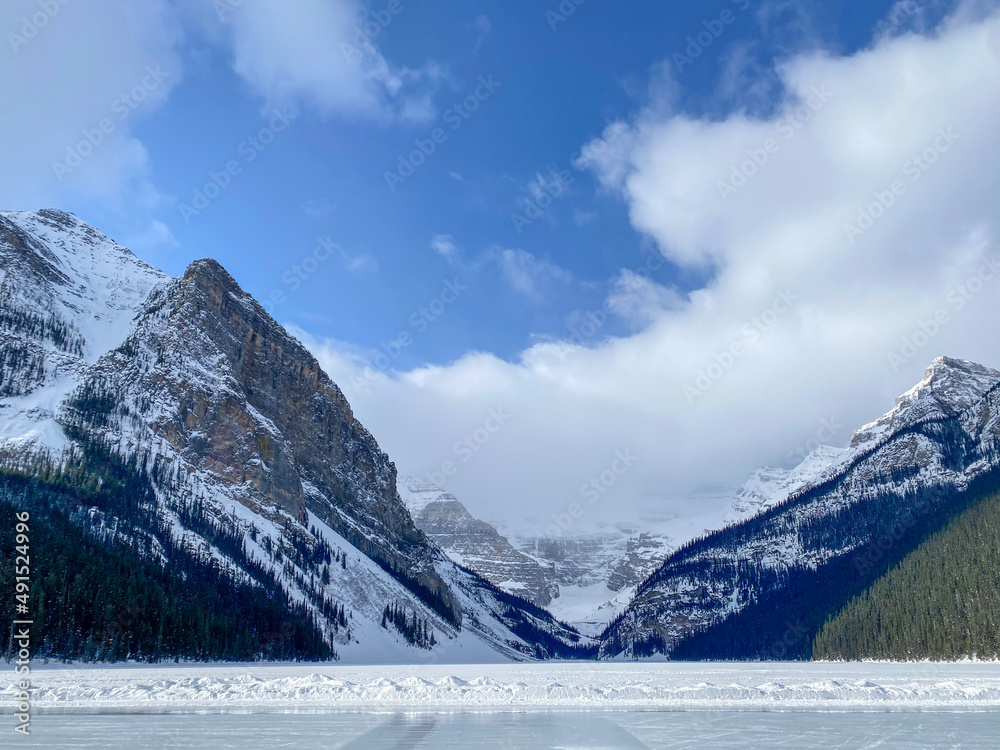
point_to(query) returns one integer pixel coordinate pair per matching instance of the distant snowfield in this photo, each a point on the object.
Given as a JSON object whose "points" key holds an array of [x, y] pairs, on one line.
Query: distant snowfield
{"points": [[531, 687]]}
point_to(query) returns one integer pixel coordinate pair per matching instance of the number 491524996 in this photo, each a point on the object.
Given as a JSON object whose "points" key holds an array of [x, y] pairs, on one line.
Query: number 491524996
{"points": [[22, 562]]}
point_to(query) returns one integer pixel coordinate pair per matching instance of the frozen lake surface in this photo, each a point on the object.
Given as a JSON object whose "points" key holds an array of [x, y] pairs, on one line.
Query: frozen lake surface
{"points": [[566, 730], [568, 706]]}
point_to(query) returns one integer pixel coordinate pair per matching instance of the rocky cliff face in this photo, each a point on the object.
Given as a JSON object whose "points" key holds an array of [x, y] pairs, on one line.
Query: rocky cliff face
{"points": [[233, 423], [613, 559], [244, 405], [643, 554], [474, 543]]}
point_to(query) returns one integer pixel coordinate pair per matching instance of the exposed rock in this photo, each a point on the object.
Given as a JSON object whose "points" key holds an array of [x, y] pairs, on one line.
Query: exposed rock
{"points": [[474, 543], [190, 385]]}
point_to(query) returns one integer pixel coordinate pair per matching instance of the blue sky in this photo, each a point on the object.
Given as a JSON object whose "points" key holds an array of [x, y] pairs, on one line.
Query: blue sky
{"points": [[558, 88], [593, 320]]}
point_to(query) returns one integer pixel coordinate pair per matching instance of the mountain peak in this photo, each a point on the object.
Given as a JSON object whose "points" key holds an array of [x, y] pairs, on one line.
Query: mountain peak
{"points": [[771, 486], [207, 267], [949, 387], [418, 493], [943, 370], [52, 215]]}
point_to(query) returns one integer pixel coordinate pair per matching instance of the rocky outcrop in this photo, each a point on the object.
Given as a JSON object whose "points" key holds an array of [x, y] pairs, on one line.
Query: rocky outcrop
{"points": [[643, 553], [474, 543]]}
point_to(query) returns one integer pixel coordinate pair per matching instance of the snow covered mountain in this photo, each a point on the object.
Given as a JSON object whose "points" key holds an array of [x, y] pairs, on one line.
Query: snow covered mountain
{"points": [[763, 587], [588, 579], [232, 424], [474, 543], [595, 574], [68, 295], [771, 486]]}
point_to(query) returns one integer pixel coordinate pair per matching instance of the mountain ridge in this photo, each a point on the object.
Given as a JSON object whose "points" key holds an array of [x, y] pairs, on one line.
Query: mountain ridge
{"points": [[189, 390]]}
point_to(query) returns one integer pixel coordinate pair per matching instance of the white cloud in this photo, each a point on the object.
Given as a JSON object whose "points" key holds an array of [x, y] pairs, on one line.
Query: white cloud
{"points": [[544, 185], [89, 64], [445, 246], [359, 265], [322, 208], [609, 154], [777, 243], [523, 272], [641, 300], [529, 275], [157, 235], [325, 53]]}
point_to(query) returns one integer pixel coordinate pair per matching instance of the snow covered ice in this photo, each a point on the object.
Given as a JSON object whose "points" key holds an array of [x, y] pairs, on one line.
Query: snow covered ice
{"points": [[540, 686], [555, 705]]}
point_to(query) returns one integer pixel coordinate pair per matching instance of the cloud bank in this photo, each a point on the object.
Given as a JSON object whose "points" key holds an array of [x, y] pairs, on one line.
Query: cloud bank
{"points": [[850, 238]]}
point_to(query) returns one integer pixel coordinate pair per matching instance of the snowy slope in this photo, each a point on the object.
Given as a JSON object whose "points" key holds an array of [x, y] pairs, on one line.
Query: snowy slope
{"points": [[771, 486], [68, 295], [231, 421]]}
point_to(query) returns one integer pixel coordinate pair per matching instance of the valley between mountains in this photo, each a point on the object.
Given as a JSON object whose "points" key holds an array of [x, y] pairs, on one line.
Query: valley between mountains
{"points": [[200, 489]]}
